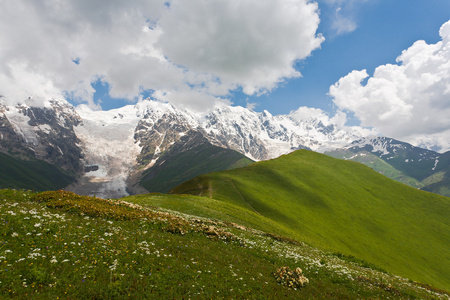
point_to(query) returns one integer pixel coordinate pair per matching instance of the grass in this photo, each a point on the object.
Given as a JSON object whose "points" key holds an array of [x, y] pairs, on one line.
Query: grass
{"points": [[61, 245], [343, 207], [31, 174]]}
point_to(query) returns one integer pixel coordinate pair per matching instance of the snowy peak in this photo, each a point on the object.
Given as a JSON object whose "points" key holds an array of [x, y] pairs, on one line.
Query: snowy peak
{"points": [[263, 136], [388, 148], [411, 161]]}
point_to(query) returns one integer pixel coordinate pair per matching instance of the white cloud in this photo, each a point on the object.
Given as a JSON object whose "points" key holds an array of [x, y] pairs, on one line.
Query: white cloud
{"points": [[343, 24], [250, 43], [409, 101], [343, 19], [192, 46]]}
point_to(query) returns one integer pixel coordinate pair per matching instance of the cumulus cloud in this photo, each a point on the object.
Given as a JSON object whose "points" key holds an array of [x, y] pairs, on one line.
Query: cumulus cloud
{"points": [[252, 44], [408, 101], [49, 47]]}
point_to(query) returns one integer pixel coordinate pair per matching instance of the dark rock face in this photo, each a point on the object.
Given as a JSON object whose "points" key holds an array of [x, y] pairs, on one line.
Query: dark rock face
{"points": [[155, 136], [50, 136]]}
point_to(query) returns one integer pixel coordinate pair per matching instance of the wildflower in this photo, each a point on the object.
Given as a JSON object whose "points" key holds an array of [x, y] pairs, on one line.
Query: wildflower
{"points": [[37, 225], [114, 265]]}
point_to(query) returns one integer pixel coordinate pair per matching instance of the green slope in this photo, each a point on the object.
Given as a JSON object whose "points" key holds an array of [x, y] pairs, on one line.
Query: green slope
{"points": [[343, 206], [174, 169], [31, 174], [61, 245]]}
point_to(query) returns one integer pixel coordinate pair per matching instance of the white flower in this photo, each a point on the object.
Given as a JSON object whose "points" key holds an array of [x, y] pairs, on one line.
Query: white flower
{"points": [[114, 265], [37, 225], [14, 234]]}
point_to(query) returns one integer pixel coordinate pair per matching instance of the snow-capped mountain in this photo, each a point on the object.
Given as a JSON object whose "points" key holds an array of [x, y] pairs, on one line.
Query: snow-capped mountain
{"points": [[388, 148], [401, 161], [105, 147]]}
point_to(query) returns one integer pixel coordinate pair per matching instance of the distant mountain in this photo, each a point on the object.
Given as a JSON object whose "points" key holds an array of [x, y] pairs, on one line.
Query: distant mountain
{"points": [[344, 207], [106, 150], [401, 161]]}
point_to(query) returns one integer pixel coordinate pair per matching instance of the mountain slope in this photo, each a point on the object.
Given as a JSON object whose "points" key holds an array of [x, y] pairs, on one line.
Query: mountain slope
{"points": [[439, 181], [31, 174], [412, 161], [45, 133], [343, 206], [190, 156], [416, 167]]}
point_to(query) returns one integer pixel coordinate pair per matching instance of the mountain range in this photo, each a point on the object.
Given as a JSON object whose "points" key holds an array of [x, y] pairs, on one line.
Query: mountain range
{"points": [[142, 147]]}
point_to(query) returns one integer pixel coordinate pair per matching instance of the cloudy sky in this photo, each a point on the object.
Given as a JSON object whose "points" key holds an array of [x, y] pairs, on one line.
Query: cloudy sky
{"points": [[383, 64]]}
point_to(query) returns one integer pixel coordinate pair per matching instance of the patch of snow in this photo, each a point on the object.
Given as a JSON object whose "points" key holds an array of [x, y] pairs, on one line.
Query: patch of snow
{"points": [[19, 122], [435, 164], [44, 128]]}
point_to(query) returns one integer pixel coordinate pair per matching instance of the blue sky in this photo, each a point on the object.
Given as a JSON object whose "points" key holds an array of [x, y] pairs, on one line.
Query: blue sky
{"points": [[362, 60], [384, 29]]}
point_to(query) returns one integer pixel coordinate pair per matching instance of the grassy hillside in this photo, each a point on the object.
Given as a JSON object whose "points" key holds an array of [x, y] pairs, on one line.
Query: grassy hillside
{"points": [[31, 174], [343, 206], [61, 245], [172, 170]]}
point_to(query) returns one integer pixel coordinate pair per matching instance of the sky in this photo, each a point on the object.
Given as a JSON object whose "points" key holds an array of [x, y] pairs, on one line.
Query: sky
{"points": [[379, 64]]}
